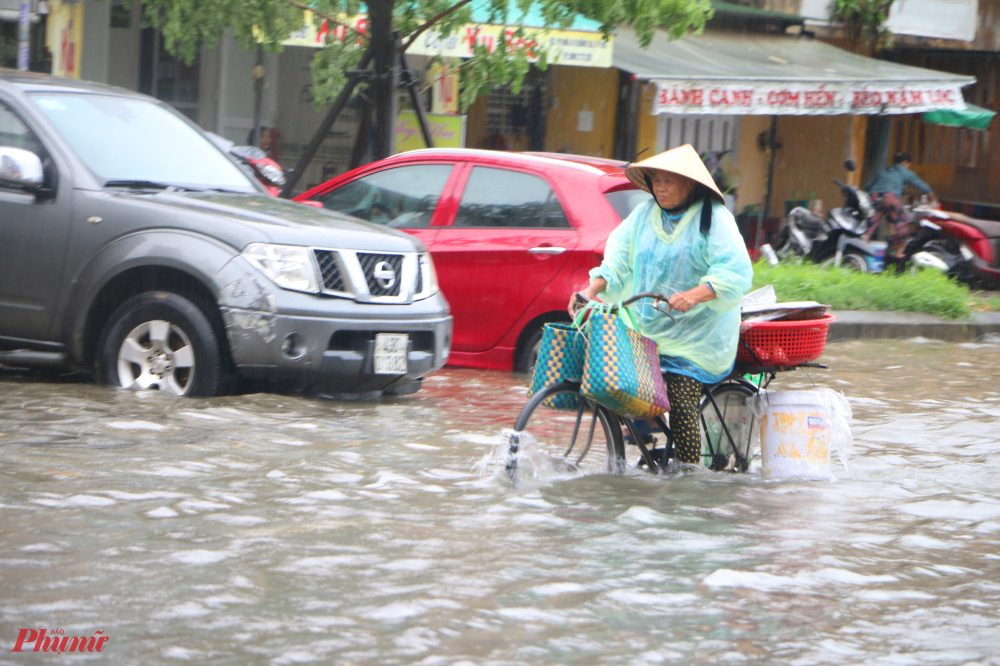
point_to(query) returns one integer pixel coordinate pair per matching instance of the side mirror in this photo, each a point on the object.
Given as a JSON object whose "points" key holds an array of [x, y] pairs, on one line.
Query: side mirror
{"points": [[850, 165], [20, 168]]}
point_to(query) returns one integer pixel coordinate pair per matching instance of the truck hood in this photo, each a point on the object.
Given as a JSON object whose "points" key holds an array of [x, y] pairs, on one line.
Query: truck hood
{"points": [[286, 222]]}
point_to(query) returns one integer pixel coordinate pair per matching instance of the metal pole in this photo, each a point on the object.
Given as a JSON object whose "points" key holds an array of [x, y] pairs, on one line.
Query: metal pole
{"points": [[412, 86], [258, 95], [772, 144], [24, 36]]}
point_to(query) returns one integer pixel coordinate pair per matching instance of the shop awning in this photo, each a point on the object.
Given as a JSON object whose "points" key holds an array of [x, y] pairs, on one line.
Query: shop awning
{"points": [[733, 73], [973, 116]]}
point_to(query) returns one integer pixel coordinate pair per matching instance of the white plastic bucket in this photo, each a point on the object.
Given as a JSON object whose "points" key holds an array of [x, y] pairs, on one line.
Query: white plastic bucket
{"points": [[795, 434]]}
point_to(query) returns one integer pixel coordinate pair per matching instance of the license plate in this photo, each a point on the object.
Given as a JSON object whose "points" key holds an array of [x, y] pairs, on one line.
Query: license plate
{"points": [[390, 354]]}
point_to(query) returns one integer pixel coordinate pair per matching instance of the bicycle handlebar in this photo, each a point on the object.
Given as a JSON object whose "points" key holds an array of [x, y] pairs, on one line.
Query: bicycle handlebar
{"points": [[646, 294], [656, 297]]}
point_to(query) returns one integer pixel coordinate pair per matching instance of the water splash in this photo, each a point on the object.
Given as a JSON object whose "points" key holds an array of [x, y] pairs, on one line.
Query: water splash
{"points": [[516, 457]]}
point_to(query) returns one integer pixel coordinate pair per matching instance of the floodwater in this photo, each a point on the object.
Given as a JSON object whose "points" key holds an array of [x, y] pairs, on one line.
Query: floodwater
{"points": [[266, 529]]}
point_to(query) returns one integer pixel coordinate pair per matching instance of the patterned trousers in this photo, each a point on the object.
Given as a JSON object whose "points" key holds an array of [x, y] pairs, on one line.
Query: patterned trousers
{"points": [[889, 206], [685, 393]]}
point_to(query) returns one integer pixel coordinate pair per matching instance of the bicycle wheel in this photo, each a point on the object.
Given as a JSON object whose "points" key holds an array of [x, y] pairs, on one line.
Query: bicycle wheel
{"points": [[585, 438], [727, 426]]}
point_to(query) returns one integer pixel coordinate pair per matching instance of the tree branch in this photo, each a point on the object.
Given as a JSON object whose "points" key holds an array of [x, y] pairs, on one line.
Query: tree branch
{"points": [[430, 22], [326, 17]]}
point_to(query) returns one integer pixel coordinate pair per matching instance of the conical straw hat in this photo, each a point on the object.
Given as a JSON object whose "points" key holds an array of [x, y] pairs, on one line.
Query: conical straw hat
{"points": [[683, 161]]}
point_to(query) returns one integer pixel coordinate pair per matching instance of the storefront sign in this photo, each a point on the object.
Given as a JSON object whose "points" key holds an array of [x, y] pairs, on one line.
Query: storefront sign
{"points": [[564, 47], [444, 87], [752, 98], [447, 131], [65, 37], [317, 35]]}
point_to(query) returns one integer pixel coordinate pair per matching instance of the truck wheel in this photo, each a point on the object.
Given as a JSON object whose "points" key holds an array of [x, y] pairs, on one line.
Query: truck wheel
{"points": [[160, 340]]}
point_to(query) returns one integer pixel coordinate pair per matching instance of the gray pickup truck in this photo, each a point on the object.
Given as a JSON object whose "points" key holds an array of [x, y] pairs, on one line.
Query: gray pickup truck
{"points": [[130, 245]]}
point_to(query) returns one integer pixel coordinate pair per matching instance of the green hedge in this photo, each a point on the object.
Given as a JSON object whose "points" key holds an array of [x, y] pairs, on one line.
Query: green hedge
{"points": [[844, 289]]}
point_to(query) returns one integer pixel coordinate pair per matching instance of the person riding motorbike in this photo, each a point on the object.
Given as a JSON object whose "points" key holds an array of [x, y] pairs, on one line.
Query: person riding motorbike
{"points": [[886, 190], [685, 244]]}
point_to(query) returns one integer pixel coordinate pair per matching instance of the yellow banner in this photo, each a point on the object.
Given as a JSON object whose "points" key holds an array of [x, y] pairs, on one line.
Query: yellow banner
{"points": [[447, 131], [564, 47], [64, 35]]}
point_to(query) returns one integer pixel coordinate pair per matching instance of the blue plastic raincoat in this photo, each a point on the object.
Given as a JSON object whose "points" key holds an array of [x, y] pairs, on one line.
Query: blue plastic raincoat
{"points": [[641, 256]]}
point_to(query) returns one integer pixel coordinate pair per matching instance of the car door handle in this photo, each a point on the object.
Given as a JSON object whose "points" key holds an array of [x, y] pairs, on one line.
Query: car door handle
{"points": [[547, 249]]}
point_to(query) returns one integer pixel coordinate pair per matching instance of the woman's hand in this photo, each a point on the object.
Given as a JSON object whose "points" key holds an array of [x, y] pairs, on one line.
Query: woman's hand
{"points": [[596, 286], [683, 301]]}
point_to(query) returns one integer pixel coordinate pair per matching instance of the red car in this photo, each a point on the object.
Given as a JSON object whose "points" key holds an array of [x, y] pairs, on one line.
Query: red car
{"points": [[512, 235]]}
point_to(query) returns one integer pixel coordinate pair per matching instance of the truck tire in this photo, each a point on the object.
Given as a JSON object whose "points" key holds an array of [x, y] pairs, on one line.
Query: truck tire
{"points": [[161, 340]]}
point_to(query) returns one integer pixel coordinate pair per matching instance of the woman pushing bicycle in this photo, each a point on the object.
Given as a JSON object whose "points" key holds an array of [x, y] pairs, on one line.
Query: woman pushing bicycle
{"points": [[685, 244]]}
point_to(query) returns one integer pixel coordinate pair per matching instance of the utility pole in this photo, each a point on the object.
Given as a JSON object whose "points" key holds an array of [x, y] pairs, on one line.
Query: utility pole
{"points": [[24, 36]]}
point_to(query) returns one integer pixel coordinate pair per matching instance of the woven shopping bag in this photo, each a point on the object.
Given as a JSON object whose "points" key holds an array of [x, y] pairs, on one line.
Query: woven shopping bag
{"points": [[560, 359], [622, 368]]}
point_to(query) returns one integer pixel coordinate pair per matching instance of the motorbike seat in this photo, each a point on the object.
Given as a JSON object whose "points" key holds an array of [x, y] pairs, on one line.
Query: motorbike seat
{"points": [[807, 221], [989, 228]]}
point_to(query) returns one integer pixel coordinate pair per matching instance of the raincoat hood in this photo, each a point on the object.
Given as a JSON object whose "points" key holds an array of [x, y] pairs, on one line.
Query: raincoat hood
{"points": [[683, 161]]}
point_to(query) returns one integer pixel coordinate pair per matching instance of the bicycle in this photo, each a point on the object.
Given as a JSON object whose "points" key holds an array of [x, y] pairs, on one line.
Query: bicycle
{"points": [[727, 422]]}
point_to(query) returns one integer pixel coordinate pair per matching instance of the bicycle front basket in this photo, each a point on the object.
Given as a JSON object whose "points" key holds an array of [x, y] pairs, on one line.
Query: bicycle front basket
{"points": [[560, 359]]}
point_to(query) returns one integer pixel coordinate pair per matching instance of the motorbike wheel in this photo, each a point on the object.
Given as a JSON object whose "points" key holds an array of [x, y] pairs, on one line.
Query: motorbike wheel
{"points": [[855, 262]]}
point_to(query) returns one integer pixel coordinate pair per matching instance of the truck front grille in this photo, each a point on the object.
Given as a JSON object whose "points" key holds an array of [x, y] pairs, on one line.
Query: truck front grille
{"points": [[330, 271], [383, 273]]}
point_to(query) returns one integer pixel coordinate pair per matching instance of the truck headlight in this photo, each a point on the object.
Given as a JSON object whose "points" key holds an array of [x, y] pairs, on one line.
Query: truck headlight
{"points": [[428, 277], [288, 266]]}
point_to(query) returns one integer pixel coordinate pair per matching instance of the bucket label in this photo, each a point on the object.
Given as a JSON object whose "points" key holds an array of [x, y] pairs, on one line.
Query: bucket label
{"points": [[795, 443]]}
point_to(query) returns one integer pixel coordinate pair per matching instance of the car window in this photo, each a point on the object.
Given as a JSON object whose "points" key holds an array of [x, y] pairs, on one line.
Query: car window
{"points": [[625, 201], [15, 134], [502, 198], [403, 197]]}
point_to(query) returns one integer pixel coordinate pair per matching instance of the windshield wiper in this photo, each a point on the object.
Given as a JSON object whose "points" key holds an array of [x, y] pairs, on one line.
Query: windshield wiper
{"points": [[225, 191], [148, 185]]}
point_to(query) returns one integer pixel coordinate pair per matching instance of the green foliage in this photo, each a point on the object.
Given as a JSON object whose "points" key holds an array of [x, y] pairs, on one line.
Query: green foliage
{"points": [[328, 70], [864, 19], [8, 51], [843, 289], [188, 25]]}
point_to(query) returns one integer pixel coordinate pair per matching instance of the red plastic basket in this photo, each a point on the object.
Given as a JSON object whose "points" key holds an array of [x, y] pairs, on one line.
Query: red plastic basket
{"points": [[784, 342]]}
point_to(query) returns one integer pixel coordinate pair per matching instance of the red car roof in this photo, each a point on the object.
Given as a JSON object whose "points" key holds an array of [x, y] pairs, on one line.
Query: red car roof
{"points": [[610, 172], [603, 165]]}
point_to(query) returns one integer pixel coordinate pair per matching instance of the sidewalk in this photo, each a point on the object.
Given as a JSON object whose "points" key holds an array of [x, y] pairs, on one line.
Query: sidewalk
{"points": [[865, 325]]}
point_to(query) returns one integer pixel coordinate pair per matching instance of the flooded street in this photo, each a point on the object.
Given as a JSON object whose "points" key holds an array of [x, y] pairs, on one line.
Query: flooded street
{"points": [[266, 529]]}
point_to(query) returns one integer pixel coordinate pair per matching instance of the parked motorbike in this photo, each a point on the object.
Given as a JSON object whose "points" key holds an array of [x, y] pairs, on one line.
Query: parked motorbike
{"points": [[964, 247], [266, 170], [839, 238]]}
